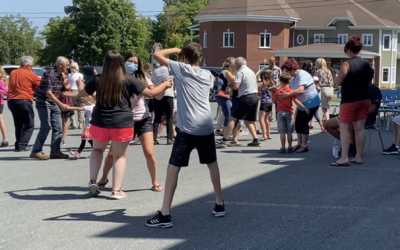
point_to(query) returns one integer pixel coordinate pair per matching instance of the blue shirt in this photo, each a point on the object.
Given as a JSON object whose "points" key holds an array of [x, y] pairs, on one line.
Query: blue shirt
{"points": [[310, 97]]}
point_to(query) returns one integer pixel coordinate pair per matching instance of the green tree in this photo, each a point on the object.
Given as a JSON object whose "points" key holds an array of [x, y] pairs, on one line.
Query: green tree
{"points": [[17, 38], [59, 35], [102, 25], [171, 27]]}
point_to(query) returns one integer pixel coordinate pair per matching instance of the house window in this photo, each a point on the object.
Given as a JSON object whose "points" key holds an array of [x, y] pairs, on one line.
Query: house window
{"points": [[204, 40], [318, 38], [367, 39], [342, 39], [265, 40], [385, 74], [387, 41], [394, 75], [228, 39], [300, 39]]}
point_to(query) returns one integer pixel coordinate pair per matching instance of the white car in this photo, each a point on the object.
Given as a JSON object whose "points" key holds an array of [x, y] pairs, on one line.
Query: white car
{"points": [[10, 68]]}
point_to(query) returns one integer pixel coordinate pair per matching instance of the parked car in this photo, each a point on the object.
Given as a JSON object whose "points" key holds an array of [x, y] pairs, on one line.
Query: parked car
{"points": [[90, 71], [215, 71], [9, 68]]}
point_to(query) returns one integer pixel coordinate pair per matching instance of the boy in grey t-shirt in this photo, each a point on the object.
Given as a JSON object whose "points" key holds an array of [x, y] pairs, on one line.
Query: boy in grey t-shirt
{"points": [[195, 128]]}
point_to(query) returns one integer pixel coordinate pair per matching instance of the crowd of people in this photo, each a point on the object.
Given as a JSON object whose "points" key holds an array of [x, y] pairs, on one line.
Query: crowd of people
{"points": [[131, 99]]}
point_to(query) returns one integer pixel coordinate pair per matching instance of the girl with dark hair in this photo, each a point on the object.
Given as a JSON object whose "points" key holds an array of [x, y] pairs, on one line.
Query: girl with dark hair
{"points": [[354, 77], [112, 118], [143, 126], [266, 103]]}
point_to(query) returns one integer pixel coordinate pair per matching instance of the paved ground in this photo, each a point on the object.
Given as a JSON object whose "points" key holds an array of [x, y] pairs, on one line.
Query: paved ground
{"points": [[273, 201]]}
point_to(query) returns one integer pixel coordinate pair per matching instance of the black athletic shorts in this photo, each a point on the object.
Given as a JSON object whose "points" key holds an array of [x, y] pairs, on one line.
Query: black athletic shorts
{"points": [[1, 108], [142, 127], [185, 143], [247, 108], [267, 107]]}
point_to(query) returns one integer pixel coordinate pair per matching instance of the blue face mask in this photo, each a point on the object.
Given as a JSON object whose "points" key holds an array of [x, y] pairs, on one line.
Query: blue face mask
{"points": [[130, 67]]}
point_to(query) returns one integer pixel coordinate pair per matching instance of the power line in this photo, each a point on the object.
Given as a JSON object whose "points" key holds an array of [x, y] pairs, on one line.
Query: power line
{"points": [[229, 10]]}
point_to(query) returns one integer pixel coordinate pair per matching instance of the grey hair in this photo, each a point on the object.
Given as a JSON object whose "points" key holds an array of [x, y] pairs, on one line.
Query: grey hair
{"points": [[75, 67], [26, 61], [61, 59], [241, 61]]}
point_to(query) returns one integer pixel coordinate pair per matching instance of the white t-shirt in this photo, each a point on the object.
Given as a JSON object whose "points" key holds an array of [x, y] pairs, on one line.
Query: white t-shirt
{"points": [[88, 114], [72, 78], [247, 80]]}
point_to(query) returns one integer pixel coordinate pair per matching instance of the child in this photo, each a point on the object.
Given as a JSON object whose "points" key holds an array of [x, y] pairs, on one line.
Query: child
{"points": [[266, 103], [285, 113], [195, 128], [86, 136]]}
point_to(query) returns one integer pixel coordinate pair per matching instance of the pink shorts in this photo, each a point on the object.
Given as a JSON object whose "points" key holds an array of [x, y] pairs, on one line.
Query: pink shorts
{"points": [[115, 134]]}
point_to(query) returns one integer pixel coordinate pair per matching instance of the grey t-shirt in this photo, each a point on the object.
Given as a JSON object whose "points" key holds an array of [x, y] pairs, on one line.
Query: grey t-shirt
{"points": [[193, 89], [247, 80], [160, 74]]}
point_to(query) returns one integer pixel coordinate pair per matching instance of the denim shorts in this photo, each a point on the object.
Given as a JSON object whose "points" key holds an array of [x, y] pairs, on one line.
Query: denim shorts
{"points": [[285, 122]]}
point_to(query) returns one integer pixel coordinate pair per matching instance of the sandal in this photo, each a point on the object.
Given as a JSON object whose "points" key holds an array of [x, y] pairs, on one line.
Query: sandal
{"points": [[297, 147], [158, 188], [337, 164], [302, 149], [263, 139], [356, 162], [101, 186]]}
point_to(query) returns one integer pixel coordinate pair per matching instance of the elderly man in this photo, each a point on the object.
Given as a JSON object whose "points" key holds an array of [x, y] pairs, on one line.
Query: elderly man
{"points": [[48, 107], [23, 84], [246, 109]]}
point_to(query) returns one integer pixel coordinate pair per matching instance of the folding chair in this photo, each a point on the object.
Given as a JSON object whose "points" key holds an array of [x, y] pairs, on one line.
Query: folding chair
{"points": [[388, 105], [370, 137]]}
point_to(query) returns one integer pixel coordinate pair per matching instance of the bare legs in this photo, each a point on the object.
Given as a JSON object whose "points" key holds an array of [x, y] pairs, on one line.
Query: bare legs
{"points": [[172, 181], [325, 113], [119, 161], [3, 129], [64, 128], [289, 140], [148, 149], [265, 125], [345, 139], [360, 139]]}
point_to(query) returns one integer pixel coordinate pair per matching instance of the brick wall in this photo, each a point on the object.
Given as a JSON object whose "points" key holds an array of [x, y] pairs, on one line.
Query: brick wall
{"points": [[246, 41]]}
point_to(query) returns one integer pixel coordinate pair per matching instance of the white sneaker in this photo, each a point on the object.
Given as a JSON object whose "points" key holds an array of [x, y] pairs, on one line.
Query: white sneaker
{"points": [[117, 195]]}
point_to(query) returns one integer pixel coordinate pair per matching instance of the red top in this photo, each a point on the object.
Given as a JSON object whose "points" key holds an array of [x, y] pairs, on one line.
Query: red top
{"points": [[284, 104], [22, 84]]}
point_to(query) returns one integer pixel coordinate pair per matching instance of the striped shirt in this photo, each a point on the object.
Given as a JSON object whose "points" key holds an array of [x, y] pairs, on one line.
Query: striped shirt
{"points": [[51, 81]]}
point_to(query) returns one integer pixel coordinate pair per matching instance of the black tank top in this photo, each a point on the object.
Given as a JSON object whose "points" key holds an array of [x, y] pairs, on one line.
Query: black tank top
{"points": [[355, 86]]}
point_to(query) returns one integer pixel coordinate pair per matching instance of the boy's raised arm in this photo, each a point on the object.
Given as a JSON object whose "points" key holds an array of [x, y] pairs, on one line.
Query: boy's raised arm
{"points": [[162, 56]]}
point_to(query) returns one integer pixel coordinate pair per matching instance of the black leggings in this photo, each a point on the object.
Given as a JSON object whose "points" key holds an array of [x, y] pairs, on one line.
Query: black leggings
{"points": [[165, 105], [303, 119], [83, 143]]}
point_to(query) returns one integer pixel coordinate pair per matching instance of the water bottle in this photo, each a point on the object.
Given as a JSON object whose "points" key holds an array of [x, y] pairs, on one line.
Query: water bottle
{"points": [[335, 149]]}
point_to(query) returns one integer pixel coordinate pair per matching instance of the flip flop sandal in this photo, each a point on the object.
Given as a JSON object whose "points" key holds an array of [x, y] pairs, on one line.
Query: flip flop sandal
{"points": [[263, 139], [337, 164], [158, 188], [101, 186], [356, 162]]}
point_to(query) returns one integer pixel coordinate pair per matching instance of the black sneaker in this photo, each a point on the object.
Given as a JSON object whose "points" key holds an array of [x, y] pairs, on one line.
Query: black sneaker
{"points": [[392, 150], [219, 210], [255, 143], [290, 151], [163, 221], [283, 151]]}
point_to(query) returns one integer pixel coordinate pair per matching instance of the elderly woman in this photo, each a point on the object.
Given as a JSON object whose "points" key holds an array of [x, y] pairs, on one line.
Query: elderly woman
{"points": [[304, 89], [354, 77], [325, 83], [72, 78]]}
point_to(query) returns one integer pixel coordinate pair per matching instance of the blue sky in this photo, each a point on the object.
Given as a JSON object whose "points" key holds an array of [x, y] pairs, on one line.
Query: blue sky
{"points": [[39, 10]]}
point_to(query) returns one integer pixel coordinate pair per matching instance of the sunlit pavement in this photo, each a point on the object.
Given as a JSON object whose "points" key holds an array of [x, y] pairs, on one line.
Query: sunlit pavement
{"points": [[273, 201]]}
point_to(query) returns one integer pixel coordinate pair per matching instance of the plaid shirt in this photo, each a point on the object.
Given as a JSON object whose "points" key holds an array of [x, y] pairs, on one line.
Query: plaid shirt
{"points": [[52, 81], [276, 73]]}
